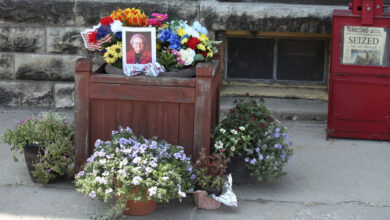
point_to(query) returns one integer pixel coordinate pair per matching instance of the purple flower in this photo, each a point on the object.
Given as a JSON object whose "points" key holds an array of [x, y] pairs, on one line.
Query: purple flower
{"points": [[289, 144], [38, 164], [90, 159], [49, 170], [177, 155], [123, 141], [246, 160], [257, 150], [261, 157], [285, 135], [92, 194], [277, 130], [189, 169], [137, 160], [81, 173], [259, 145], [64, 157], [277, 134], [128, 128], [253, 161], [46, 151], [278, 146], [193, 176], [98, 143]]}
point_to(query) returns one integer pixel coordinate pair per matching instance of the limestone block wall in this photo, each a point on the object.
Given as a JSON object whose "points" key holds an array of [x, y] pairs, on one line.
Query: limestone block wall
{"points": [[40, 40]]}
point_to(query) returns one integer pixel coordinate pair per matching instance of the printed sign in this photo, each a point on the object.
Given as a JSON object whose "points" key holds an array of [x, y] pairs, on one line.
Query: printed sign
{"points": [[365, 46]]}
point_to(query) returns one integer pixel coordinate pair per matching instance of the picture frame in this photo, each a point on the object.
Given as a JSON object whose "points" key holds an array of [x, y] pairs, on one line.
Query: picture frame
{"points": [[139, 48]]}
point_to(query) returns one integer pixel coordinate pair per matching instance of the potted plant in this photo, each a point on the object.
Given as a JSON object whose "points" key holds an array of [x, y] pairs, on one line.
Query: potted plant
{"points": [[138, 172], [179, 45], [47, 142], [210, 178], [253, 139]]}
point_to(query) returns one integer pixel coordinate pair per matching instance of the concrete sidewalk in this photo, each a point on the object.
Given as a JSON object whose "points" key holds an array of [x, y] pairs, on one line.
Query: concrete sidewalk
{"points": [[327, 179]]}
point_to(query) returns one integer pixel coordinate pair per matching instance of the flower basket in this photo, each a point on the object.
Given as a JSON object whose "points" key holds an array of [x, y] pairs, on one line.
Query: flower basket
{"points": [[240, 173], [139, 208], [202, 201]]}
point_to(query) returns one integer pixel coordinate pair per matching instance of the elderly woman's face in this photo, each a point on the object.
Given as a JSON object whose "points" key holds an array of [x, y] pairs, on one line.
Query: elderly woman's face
{"points": [[138, 45]]}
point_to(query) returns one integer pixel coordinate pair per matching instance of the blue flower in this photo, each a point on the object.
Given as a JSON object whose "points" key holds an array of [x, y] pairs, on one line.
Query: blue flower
{"points": [[285, 135], [277, 130], [193, 176], [261, 157], [253, 161], [174, 41], [277, 134], [165, 35], [257, 150], [246, 160], [119, 36], [278, 146], [189, 169], [198, 27]]}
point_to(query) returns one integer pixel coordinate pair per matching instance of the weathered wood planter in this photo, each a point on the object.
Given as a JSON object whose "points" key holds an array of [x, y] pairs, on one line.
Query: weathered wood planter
{"points": [[178, 110]]}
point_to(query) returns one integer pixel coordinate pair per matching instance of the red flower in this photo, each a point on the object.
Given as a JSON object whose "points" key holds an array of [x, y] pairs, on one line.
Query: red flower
{"points": [[233, 111], [262, 125], [247, 94], [204, 54], [106, 21], [92, 37], [193, 43]]}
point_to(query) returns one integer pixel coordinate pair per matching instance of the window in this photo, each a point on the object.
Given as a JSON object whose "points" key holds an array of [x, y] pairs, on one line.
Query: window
{"points": [[278, 59]]}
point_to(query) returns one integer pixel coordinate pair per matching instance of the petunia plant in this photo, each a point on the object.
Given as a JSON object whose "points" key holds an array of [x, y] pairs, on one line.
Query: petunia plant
{"points": [[128, 167], [251, 131]]}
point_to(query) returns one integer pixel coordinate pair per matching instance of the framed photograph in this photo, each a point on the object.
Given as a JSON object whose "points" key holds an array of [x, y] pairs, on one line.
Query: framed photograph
{"points": [[138, 46]]}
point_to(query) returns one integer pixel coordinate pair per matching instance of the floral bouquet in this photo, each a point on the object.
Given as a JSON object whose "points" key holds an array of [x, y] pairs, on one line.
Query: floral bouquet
{"points": [[128, 167], [251, 131], [181, 45], [178, 44]]}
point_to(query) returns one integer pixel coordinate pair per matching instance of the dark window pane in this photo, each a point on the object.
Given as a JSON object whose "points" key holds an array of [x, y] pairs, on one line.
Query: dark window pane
{"points": [[301, 60], [250, 58]]}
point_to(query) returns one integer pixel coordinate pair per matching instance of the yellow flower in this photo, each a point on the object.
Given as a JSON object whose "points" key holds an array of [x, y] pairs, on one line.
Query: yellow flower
{"points": [[158, 47], [181, 32], [203, 37], [210, 54], [109, 57], [184, 40], [116, 50], [201, 47]]}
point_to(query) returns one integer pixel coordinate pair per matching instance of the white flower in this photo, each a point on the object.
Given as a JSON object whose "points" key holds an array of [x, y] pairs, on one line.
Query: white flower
{"points": [[233, 148], [222, 130], [122, 172], [101, 180], [187, 55], [242, 128], [116, 26], [233, 131], [182, 194], [164, 178], [102, 161], [218, 145], [123, 163], [153, 164], [152, 191], [94, 172], [108, 191], [136, 180], [148, 169], [137, 160], [106, 173], [191, 31]]}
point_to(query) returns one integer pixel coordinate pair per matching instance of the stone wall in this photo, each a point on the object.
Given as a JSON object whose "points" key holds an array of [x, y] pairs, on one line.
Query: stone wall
{"points": [[40, 40]]}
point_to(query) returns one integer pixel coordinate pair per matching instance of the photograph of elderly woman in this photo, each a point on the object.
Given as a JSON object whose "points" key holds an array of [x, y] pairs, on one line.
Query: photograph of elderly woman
{"points": [[138, 48]]}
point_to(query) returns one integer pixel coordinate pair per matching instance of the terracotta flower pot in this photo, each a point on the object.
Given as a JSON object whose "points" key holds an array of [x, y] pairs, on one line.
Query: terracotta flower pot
{"points": [[202, 201], [140, 207]]}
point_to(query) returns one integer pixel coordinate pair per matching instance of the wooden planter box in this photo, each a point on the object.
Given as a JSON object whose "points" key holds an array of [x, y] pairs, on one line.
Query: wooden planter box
{"points": [[178, 110]]}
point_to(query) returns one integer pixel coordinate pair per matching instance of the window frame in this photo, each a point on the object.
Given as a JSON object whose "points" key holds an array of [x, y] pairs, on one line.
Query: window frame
{"points": [[276, 36]]}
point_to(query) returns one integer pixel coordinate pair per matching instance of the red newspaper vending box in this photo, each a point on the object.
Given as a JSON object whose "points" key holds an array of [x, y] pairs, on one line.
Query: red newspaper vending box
{"points": [[359, 83]]}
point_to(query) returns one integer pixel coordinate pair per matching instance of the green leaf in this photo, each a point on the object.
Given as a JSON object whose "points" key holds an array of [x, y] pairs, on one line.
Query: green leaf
{"points": [[199, 57]]}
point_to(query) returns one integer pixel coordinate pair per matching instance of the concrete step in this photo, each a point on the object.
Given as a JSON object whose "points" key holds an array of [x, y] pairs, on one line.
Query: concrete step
{"points": [[285, 109]]}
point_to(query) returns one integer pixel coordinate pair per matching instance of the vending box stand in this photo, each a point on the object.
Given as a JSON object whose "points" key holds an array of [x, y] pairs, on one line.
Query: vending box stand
{"points": [[359, 82]]}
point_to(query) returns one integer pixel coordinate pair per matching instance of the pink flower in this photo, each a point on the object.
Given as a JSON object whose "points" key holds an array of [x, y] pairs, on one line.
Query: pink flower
{"points": [[38, 164], [46, 151], [154, 22], [160, 17], [49, 170], [64, 157]]}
